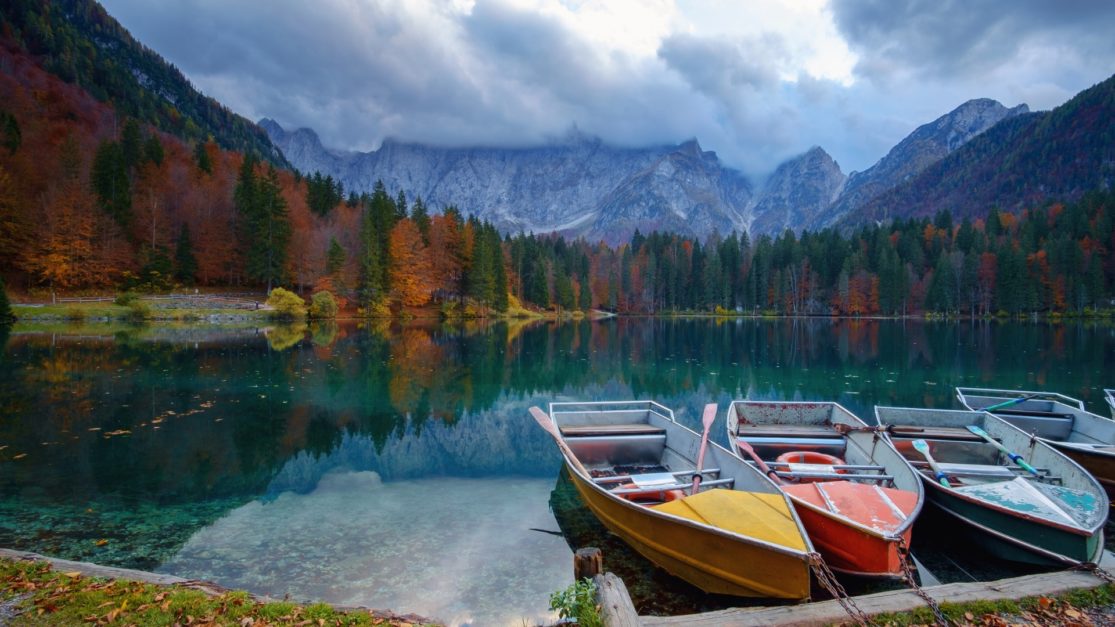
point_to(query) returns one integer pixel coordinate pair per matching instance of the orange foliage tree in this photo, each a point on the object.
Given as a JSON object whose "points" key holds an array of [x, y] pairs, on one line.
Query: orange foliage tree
{"points": [[411, 282]]}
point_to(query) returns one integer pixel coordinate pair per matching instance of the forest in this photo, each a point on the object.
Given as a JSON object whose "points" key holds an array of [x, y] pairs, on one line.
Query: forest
{"points": [[95, 200]]}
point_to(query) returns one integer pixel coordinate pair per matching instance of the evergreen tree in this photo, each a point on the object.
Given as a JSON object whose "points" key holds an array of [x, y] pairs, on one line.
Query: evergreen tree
{"points": [[131, 144], [185, 264], [563, 290], [334, 258], [201, 158], [6, 315], [153, 150], [110, 182], [10, 135], [584, 299], [271, 228], [421, 217]]}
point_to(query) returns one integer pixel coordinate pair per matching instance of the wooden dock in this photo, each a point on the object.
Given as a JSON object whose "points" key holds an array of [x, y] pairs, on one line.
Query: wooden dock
{"points": [[618, 610]]}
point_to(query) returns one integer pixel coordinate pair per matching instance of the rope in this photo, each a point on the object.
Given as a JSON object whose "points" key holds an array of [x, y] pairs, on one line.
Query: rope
{"points": [[829, 582], [908, 572]]}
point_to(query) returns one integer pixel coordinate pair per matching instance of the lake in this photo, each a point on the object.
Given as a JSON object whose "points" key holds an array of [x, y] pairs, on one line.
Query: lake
{"points": [[396, 466]]}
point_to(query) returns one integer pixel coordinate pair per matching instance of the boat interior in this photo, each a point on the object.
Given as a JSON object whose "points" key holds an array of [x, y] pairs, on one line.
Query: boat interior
{"points": [[1060, 491], [1051, 416], [800, 442], [623, 447]]}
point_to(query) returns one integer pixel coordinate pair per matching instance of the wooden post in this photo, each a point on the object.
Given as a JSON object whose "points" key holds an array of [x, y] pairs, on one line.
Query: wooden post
{"points": [[616, 607], [587, 562]]}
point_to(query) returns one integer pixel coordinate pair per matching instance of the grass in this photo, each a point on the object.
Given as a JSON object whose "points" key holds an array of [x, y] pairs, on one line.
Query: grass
{"points": [[111, 311], [32, 593], [1056, 610]]}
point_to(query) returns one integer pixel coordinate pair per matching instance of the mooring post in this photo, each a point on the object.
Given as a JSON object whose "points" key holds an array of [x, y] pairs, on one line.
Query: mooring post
{"points": [[587, 562]]}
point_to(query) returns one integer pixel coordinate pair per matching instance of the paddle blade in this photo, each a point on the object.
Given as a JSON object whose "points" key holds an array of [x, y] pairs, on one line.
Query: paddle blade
{"points": [[709, 416], [544, 421], [980, 432], [921, 447], [746, 447]]}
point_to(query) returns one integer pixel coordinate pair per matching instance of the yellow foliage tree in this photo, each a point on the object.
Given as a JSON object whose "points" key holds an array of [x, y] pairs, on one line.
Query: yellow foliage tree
{"points": [[411, 280]]}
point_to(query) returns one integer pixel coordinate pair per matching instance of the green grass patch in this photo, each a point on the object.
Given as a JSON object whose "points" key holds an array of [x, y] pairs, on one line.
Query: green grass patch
{"points": [[39, 595], [1045, 610]]}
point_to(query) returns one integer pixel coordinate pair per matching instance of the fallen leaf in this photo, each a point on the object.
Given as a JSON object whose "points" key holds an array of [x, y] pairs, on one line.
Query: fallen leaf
{"points": [[969, 616], [73, 574], [20, 456], [101, 542], [1072, 613]]}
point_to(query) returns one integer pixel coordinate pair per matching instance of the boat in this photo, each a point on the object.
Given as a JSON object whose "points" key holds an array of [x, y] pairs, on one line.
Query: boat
{"points": [[1060, 420], [688, 505], [1026, 501], [856, 496], [1109, 394]]}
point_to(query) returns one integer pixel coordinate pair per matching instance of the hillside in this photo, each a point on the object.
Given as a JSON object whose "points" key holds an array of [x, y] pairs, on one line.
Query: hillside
{"points": [[1021, 162], [80, 43]]}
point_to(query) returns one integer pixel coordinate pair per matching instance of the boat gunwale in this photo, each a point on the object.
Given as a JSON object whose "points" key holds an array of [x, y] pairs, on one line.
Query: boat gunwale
{"points": [[1099, 450], [893, 536], [1078, 529], [961, 392], [804, 556]]}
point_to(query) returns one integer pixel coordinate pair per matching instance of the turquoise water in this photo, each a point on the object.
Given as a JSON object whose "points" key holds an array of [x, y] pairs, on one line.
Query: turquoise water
{"points": [[397, 467]]}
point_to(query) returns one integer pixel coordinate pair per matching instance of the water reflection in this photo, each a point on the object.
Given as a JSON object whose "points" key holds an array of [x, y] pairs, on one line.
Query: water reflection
{"points": [[146, 436]]}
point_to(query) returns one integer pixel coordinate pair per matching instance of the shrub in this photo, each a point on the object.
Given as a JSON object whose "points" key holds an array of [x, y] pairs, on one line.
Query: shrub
{"points": [[138, 310], [323, 305], [578, 601], [286, 305], [126, 298]]}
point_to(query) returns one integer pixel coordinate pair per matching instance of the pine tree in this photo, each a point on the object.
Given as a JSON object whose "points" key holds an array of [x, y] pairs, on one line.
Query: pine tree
{"points": [[10, 135], [185, 263], [334, 258], [6, 315], [271, 232], [584, 299], [201, 158], [110, 182], [131, 144], [153, 150]]}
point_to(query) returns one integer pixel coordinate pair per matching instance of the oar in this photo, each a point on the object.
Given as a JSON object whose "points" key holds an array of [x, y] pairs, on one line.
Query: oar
{"points": [[1013, 401], [707, 420], [745, 446], [923, 448], [547, 424], [1014, 457]]}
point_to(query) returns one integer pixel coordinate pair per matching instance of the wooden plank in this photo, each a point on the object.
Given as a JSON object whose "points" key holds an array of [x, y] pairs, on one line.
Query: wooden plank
{"points": [[616, 607], [625, 429], [828, 612], [788, 431]]}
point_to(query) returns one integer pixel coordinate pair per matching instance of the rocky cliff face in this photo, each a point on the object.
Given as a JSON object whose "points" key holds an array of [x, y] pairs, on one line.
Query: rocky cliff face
{"points": [[580, 186], [799, 190], [927, 145]]}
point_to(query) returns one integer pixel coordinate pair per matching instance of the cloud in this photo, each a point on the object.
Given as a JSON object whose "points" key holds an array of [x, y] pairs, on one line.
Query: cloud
{"points": [[952, 38], [757, 81]]}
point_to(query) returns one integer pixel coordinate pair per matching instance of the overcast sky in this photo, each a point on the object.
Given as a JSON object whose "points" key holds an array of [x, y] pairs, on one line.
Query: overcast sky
{"points": [[758, 81]]}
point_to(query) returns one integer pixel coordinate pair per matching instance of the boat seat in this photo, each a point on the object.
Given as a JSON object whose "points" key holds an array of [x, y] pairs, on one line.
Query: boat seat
{"points": [[620, 429], [786, 431], [933, 433]]}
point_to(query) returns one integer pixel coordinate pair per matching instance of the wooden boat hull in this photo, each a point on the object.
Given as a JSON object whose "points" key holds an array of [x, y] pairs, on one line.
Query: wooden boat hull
{"points": [[1099, 464], [1011, 537], [709, 560], [849, 549]]}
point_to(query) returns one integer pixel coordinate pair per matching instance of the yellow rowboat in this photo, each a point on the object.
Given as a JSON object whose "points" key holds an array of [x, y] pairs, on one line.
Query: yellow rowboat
{"points": [[730, 532]]}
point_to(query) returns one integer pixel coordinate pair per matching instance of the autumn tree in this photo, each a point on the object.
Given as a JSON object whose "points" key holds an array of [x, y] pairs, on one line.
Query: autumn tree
{"points": [[411, 283]]}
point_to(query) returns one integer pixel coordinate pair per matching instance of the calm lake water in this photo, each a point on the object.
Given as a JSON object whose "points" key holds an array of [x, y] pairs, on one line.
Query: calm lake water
{"points": [[397, 467]]}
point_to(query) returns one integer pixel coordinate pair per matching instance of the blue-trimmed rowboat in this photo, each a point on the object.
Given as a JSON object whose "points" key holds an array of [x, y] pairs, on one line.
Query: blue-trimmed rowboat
{"points": [[1087, 438], [1055, 518], [1109, 394]]}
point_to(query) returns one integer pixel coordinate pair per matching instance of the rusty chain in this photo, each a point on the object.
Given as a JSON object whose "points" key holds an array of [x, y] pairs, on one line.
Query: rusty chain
{"points": [[904, 559], [1095, 569], [829, 582]]}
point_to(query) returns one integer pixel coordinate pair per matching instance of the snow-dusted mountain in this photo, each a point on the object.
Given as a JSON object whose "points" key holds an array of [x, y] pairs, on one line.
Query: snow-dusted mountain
{"points": [[579, 186]]}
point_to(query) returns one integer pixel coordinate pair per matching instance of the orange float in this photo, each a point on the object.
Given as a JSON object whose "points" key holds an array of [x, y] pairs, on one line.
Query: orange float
{"points": [[649, 494]]}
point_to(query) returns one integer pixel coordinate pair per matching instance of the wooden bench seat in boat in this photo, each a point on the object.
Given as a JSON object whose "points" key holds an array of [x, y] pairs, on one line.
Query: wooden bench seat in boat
{"points": [[620, 429], [933, 433], [786, 431]]}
